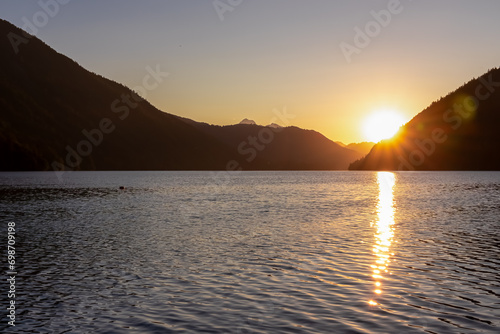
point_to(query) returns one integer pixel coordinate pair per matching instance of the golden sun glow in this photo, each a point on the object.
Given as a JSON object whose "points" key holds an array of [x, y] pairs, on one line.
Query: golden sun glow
{"points": [[382, 124], [384, 234]]}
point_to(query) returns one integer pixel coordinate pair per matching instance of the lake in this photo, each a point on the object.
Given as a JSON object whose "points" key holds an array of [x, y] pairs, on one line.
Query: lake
{"points": [[254, 252]]}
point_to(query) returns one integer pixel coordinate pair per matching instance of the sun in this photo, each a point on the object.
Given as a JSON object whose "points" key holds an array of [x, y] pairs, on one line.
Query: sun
{"points": [[382, 124]]}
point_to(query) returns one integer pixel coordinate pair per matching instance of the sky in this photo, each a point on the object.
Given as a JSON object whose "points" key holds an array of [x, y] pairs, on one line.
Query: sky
{"points": [[330, 64]]}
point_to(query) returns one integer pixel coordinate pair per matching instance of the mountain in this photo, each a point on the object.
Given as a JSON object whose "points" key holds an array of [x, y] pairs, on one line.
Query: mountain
{"points": [[363, 148], [280, 148], [56, 115], [248, 121], [459, 132], [274, 125]]}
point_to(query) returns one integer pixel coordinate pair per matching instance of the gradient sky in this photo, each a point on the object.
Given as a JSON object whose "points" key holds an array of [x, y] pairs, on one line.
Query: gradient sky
{"points": [[269, 54]]}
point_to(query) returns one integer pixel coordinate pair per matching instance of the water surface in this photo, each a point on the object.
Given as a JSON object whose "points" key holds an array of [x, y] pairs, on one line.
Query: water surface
{"points": [[255, 252]]}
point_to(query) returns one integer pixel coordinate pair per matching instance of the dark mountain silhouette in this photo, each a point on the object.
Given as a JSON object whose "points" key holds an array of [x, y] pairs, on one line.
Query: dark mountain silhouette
{"points": [[280, 148], [56, 115], [458, 132], [47, 100]]}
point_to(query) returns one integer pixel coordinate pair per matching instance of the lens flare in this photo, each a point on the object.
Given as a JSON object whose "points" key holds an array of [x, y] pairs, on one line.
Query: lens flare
{"points": [[382, 124]]}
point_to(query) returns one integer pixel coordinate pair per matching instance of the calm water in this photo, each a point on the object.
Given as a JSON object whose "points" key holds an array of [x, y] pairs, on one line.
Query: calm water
{"points": [[258, 252]]}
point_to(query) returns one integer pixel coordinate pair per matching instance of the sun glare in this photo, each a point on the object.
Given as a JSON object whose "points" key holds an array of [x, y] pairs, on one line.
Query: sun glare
{"points": [[382, 124]]}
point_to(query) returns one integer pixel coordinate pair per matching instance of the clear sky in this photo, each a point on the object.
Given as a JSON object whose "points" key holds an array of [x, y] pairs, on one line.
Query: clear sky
{"points": [[267, 54]]}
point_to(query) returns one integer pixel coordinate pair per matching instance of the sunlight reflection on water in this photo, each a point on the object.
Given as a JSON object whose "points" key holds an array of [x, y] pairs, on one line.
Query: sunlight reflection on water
{"points": [[274, 252], [385, 232]]}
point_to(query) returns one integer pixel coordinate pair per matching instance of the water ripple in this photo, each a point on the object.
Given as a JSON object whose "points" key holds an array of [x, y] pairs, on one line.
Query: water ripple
{"points": [[271, 253]]}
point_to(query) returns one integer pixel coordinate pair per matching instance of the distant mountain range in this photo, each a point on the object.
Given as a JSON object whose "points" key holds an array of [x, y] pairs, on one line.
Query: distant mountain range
{"points": [[55, 115], [251, 122], [247, 121], [459, 132], [363, 148], [279, 148]]}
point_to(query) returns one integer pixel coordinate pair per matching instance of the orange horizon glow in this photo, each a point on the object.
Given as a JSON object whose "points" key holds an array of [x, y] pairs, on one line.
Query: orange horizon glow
{"points": [[224, 71], [382, 124]]}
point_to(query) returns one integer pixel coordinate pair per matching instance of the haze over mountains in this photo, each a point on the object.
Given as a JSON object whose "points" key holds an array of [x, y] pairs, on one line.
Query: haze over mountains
{"points": [[458, 132], [364, 147], [55, 115]]}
